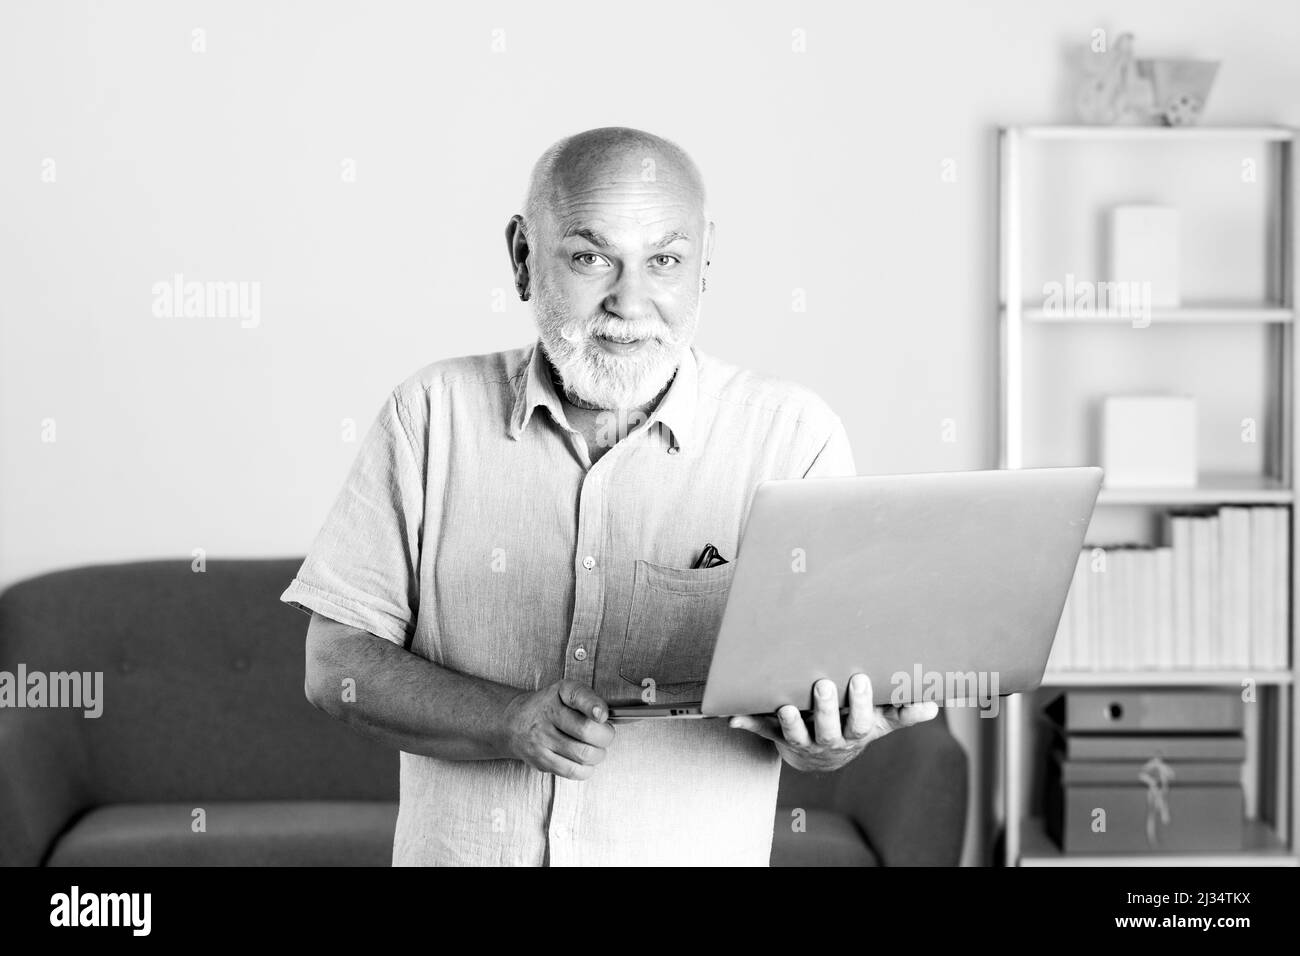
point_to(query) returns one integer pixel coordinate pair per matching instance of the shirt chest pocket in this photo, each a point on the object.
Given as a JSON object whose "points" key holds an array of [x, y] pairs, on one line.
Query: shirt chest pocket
{"points": [[671, 629]]}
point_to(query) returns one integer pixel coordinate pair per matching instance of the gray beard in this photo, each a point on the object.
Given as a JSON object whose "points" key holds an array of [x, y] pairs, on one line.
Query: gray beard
{"points": [[567, 395], [580, 402]]}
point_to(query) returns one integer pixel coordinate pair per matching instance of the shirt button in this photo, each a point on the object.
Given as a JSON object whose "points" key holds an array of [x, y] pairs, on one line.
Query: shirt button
{"points": [[580, 654], [588, 562], [672, 449]]}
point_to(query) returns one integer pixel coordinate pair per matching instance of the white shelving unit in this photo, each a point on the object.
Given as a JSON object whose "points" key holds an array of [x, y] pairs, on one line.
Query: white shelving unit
{"points": [[1270, 841], [1173, 678], [1225, 312], [1211, 489], [1262, 848]]}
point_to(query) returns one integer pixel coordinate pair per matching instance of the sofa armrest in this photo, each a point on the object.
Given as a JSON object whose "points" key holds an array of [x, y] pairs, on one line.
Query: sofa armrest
{"points": [[907, 792], [40, 782]]}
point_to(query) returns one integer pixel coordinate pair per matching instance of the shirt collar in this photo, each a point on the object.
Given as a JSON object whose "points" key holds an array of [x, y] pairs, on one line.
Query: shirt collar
{"points": [[675, 411], [533, 388]]}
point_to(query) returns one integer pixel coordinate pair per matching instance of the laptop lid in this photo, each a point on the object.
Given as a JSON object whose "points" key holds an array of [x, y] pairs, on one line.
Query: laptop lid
{"points": [[957, 576]]}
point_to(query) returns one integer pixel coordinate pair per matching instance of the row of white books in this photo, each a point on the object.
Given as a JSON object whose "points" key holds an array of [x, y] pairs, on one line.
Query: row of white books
{"points": [[1217, 596]]}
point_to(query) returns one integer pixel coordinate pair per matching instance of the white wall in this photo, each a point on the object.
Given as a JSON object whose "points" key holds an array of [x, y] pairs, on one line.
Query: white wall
{"points": [[824, 171]]}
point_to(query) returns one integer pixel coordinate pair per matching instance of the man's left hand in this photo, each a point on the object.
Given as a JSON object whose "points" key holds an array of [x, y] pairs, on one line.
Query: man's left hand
{"points": [[825, 743]]}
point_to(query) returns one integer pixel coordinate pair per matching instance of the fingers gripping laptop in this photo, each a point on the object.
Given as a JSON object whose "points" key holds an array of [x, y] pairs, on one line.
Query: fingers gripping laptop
{"points": [[900, 577]]}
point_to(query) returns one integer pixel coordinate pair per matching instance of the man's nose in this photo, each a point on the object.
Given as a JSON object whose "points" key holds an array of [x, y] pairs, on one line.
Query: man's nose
{"points": [[629, 298]]}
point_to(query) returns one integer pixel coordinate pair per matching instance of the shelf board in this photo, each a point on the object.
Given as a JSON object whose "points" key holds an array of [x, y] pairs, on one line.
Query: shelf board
{"points": [[1224, 313], [1158, 133], [1211, 488], [1164, 678], [1263, 848]]}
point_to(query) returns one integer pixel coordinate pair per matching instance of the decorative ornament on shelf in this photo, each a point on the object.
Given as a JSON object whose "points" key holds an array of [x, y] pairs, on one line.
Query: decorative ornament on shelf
{"points": [[1118, 87], [1181, 87]]}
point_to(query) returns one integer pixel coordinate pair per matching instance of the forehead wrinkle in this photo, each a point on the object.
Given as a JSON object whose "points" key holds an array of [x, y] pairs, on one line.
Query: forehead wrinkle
{"points": [[598, 197], [647, 214], [608, 221], [570, 181], [607, 218], [584, 189], [636, 212]]}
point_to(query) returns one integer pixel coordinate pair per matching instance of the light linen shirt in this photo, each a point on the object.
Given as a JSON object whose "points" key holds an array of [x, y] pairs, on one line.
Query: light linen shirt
{"points": [[474, 531]]}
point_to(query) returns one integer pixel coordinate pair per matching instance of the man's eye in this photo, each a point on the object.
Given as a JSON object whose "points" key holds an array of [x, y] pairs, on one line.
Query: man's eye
{"points": [[588, 259], [666, 261]]}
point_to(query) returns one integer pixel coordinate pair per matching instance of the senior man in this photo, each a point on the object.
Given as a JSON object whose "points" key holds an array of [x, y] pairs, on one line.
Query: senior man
{"points": [[512, 551]]}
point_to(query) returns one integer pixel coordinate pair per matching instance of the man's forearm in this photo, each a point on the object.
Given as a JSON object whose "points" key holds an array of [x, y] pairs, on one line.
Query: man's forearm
{"points": [[401, 699]]}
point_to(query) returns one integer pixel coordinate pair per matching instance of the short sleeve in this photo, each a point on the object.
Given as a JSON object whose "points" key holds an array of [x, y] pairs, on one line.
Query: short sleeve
{"points": [[835, 460], [362, 569]]}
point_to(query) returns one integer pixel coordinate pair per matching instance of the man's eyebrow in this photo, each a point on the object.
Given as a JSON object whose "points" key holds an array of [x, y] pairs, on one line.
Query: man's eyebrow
{"points": [[591, 235], [671, 238]]}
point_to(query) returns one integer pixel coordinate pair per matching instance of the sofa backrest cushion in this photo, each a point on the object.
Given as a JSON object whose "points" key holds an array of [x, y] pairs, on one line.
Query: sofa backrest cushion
{"points": [[202, 683]]}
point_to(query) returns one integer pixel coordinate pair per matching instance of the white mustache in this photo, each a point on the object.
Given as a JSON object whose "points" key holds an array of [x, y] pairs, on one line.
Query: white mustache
{"points": [[576, 332]]}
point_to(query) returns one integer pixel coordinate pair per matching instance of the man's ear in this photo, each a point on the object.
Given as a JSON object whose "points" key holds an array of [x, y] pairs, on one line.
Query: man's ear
{"points": [[517, 246]]}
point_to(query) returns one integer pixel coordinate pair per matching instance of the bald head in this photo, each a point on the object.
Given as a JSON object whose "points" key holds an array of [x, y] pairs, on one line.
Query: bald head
{"points": [[574, 167]]}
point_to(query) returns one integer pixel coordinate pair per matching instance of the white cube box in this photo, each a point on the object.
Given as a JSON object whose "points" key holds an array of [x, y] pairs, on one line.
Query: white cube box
{"points": [[1144, 251], [1149, 441]]}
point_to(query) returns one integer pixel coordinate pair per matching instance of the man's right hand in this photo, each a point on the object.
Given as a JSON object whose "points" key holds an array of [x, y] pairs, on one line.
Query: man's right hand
{"points": [[562, 729]]}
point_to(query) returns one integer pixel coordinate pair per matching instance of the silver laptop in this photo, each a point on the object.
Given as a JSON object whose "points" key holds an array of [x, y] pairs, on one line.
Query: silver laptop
{"points": [[926, 583]]}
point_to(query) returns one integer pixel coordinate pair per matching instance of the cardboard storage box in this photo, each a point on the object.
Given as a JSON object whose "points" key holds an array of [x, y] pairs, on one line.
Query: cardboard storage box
{"points": [[1123, 815]]}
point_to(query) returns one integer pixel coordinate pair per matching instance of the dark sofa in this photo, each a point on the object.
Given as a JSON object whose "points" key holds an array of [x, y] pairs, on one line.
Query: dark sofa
{"points": [[208, 753]]}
